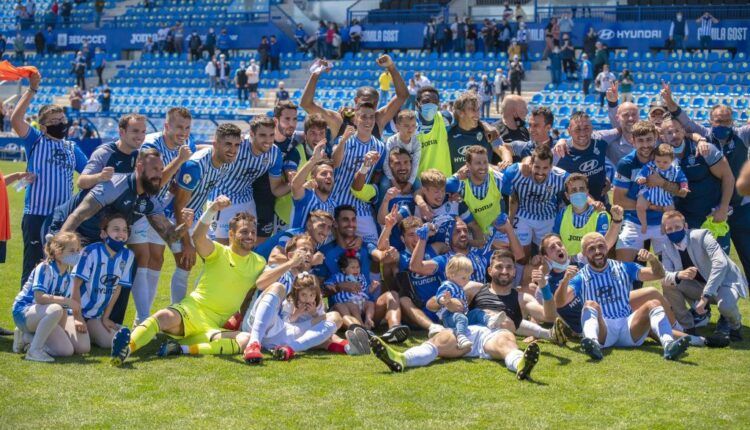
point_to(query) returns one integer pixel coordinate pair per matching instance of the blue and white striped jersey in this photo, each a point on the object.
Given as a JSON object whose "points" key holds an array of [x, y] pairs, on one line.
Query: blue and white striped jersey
{"points": [[536, 201], [45, 277], [199, 176], [237, 184], [347, 297], [610, 287], [156, 141], [658, 196], [100, 274], [354, 156], [455, 291], [479, 257], [53, 162], [308, 203]]}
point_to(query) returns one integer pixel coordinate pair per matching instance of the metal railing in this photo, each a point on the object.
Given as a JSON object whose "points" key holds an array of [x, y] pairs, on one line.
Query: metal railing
{"points": [[641, 13]]}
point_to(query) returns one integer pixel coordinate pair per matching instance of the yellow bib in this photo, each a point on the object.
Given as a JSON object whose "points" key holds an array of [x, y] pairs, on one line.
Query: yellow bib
{"points": [[570, 235], [485, 211], [435, 150]]}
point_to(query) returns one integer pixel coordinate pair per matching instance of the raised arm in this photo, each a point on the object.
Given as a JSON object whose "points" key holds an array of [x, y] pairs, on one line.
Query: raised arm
{"points": [[654, 271], [273, 274], [307, 102], [298, 182], [417, 264], [203, 245], [165, 229], [338, 150], [387, 112], [615, 224], [173, 167], [17, 118], [674, 109]]}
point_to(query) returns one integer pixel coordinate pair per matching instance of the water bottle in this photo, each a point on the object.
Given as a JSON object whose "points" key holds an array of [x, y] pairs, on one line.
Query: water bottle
{"points": [[21, 184]]}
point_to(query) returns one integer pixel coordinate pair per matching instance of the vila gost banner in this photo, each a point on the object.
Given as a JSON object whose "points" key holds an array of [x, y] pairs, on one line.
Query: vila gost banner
{"points": [[116, 39]]}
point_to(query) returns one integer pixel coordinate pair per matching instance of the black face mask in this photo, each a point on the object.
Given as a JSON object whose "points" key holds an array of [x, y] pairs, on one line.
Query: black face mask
{"points": [[57, 131], [520, 123]]}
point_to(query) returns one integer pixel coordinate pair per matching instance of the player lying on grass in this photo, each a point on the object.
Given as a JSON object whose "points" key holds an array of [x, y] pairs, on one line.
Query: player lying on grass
{"points": [[230, 274]]}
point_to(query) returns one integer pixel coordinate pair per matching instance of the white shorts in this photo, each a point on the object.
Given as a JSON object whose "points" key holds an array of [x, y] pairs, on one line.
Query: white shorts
{"points": [[142, 232], [618, 333], [177, 246], [367, 229], [479, 337], [222, 219], [529, 230], [289, 333], [632, 238]]}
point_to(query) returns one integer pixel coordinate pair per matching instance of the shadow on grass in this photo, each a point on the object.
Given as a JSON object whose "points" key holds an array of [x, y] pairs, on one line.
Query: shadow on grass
{"points": [[561, 361]]}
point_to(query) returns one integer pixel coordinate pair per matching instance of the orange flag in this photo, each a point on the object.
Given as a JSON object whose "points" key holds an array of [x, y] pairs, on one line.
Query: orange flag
{"points": [[8, 72]]}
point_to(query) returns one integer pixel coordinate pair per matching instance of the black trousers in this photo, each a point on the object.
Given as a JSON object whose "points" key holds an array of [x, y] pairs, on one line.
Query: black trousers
{"points": [[33, 251]]}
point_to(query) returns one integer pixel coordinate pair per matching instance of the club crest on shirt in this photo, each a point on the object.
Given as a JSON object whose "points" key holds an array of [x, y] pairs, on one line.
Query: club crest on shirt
{"points": [[186, 178], [479, 136], [122, 265]]}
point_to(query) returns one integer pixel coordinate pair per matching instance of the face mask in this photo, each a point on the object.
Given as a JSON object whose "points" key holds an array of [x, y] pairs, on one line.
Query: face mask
{"points": [[57, 131], [679, 149], [71, 259], [114, 245], [520, 122], [428, 111], [579, 200], [560, 267], [721, 132], [676, 236]]}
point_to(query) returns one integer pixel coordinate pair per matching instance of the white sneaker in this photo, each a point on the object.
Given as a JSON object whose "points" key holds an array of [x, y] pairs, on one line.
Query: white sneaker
{"points": [[496, 321], [40, 356], [17, 340], [464, 342], [434, 329]]}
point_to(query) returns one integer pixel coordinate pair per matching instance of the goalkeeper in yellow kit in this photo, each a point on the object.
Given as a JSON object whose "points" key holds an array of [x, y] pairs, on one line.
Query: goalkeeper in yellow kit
{"points": [[230, 273]]}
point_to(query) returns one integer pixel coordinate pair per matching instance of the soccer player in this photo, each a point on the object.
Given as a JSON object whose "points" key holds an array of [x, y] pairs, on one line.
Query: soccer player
{"points": [[698, 269], [135, 195], [105, 268], [626, 192], [318, 226], [581, 217], [348, 156], [480, 186], [40, 307], [52, 159], [337, 122], [537, 197], [608, 319], [197, 178], [586, 154], [230, 273], [305, 200], [257, 155], [115, 157], [433, 132], [540, 125], [175, 146]]}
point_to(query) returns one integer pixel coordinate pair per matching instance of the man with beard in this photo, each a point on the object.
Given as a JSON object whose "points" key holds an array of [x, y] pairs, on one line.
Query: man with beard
{"points": [[512, 125], [257, 156], [626, 191], [230, 273], [607, 318], [497, 343], [337, 122], [133, 194], [540, 124], [319, 198], [480, 187], [115, 157], [286, 138], [347, 241]]}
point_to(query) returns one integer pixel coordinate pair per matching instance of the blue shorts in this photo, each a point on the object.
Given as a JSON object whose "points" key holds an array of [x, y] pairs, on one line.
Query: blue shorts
{"points": [[571, 314]]}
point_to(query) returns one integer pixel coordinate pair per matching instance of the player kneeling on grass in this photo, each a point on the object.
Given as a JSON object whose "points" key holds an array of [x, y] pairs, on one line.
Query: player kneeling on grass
{"points": [[607, 318], [355, 307], [105, 268], [40, 310], [289, 324], [229, 275]]}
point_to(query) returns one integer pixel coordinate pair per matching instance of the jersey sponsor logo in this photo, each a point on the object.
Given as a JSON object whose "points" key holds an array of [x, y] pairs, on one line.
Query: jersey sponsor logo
{"points": [[479, 136], [427, 143], [109, 280], [483, 208], [588, 166]]}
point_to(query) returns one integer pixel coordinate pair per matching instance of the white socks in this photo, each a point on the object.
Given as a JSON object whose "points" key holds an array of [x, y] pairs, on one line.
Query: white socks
{"points": [[268, 305], [660, 325], [50, 320], [421, 355], [179, 284], [590, 322], [141, 294], [529, 328], [512, 359], [314, 336], [153, 284]]}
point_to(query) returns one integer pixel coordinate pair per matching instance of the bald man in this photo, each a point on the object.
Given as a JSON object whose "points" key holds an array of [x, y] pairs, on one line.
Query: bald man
{"points": [[512, 125]]}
